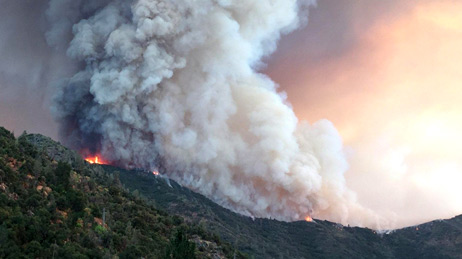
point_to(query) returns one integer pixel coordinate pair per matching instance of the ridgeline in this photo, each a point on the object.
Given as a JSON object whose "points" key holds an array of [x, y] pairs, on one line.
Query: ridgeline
{"points": [[54, 204]]}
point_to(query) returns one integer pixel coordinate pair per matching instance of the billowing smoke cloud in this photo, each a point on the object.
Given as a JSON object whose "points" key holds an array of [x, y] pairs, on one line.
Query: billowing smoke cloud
{"points": [[387, 74], [173, 85]]}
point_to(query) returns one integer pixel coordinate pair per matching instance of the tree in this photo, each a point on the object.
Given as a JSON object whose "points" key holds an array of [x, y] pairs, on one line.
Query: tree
{"points": [[62, 173], [180, 247], [33, 249], [37, 170]]}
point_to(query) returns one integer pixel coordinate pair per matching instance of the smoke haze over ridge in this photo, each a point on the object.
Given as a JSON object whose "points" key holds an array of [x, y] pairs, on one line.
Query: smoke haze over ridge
{"points": [[172, 84], [387, 74], [226, 78]]}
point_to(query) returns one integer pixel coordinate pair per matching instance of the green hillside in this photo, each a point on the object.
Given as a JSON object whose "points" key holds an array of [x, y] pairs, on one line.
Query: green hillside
{"points": [[265, 238], [52, 209]]}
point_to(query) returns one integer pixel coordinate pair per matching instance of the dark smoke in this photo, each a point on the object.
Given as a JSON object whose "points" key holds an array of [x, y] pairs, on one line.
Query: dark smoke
{"points": [[177, 82]]}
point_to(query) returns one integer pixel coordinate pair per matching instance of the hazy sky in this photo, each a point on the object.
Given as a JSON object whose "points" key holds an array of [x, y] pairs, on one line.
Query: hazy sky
{"points": [[386, 73], [27, 68]]}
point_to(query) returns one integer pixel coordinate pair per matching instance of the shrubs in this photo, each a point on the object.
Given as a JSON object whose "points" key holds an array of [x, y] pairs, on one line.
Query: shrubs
{"points": [[49, 210]]}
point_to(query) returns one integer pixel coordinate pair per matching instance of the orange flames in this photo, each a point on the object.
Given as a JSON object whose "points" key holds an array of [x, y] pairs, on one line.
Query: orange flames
{"points": [[308, 219], [155, 173], [95, 160]]}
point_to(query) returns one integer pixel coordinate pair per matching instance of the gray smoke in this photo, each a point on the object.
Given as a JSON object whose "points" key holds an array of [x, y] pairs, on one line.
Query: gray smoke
{"points": [[174, 85], [28, 66]]}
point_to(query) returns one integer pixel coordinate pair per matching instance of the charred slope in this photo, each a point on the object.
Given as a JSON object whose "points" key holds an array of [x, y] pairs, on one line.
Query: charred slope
{"points": [[266, 238]]}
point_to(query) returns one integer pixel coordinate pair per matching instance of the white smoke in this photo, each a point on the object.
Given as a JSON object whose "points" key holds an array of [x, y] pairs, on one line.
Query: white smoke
{"points": [[173, 85]]}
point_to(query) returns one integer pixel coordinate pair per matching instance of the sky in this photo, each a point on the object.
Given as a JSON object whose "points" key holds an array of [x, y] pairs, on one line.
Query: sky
{"points": [[386, 74], [28, 67]]}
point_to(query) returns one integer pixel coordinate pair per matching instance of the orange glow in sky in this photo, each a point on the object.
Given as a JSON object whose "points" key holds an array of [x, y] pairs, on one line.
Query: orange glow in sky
{"points": [[396, 99]]}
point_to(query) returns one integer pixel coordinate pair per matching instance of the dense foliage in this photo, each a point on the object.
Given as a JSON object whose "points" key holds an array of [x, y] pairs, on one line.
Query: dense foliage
{"points": [[51, 209], [266, 238]]}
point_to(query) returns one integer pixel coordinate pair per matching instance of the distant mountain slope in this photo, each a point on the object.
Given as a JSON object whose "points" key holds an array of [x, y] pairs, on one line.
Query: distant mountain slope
{"points": [[265, 238]]}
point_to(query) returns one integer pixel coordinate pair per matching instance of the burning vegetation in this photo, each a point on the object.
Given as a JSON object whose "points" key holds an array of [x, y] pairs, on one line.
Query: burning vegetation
{"points": [[96, 160]]}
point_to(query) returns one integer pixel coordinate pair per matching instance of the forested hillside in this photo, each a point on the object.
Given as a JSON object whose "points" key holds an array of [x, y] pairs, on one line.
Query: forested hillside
{"points": [[53, 209], [260, 238], [267, 238]]}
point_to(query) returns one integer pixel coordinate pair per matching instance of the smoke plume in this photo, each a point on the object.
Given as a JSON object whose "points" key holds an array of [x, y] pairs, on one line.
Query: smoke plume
{"points": [[174, 86], [387, 74]]}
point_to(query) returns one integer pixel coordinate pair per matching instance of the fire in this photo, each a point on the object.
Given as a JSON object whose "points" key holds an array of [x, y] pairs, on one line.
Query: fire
{"points": [[308, 219], [95, 160], [155, 173]]}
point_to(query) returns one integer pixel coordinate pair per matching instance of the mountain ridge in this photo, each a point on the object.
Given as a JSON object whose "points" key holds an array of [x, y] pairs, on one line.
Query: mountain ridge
{"points": [[268, 238]]}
